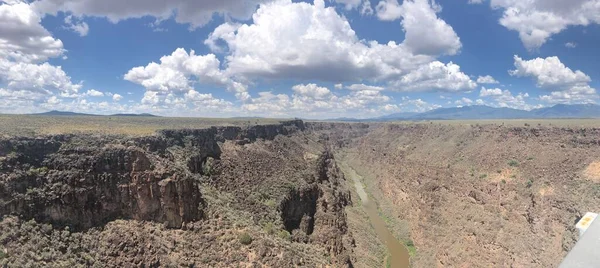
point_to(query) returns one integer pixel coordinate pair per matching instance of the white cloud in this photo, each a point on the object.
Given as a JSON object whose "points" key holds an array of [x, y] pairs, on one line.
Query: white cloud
{"points": [[567, 86], [358, 87], [312, 91], [178, 72], [22, 37], [94, 93], [504, 98], [435, 75], [192, 12], [537, 20], [488, 79], [571, 45], [388, 10], [425, 33], [464, 102], [312, 101], [485, 92], [475, 1], [338, 86], [549, 73], [117, 97], [364, 5], [312, 42], [53, 100], [42, 78], [74, 25], [577, 94]]}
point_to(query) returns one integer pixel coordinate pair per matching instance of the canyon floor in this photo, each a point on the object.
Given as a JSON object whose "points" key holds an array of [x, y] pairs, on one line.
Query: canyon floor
{"points": [[264, 193]]}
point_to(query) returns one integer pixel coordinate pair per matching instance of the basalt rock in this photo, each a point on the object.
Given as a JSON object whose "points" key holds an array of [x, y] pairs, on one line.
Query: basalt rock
{"points": [[85, 181]]}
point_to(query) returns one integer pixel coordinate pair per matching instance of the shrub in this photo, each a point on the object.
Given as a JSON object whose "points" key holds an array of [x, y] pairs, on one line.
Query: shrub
{"points": [[513, 163], [3, 255], [285, 235], [410, 245], [270, 228], [483, 176], [529, 183], [245, 238]]}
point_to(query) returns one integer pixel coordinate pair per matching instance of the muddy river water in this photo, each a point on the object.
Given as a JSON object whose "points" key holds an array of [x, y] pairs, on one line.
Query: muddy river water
{"points": [[398, 254]]}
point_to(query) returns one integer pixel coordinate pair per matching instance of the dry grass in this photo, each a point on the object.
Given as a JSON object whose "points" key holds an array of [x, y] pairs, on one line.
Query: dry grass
{"points": [[30, 125], [592, 172], [585, 123]]}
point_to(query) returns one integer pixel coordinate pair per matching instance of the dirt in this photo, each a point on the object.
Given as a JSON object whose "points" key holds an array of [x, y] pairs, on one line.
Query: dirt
{"points": [[458, 195]]}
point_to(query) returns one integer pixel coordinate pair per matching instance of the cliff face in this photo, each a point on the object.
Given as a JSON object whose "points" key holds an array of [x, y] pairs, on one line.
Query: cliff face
{"points": [[278, 183], [85, 181]]}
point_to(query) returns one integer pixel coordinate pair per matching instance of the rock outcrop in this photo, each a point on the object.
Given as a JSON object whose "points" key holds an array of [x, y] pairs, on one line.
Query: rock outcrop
{"points": [[86, 181]]}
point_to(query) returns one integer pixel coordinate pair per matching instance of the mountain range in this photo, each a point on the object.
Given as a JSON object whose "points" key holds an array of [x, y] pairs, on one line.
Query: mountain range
{"points": [[558, 111], [63, 113]]}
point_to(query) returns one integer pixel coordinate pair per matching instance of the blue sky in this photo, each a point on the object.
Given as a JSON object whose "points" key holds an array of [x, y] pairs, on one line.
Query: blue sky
{"points": [[311, 59]]}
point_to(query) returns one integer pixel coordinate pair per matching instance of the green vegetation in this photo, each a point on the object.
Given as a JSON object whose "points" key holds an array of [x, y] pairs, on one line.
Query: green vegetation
{"points": [[245, 238], [483, 176], [529, 183], [285, 235], [410, 245], [513, 176], [29, 125], [269, 228], [499, 171], [503, 181], [38, 171], [3, 255], [530, 158], [513, 163]]}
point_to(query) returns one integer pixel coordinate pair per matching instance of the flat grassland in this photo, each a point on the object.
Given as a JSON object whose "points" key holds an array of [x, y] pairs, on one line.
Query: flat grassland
{"points": [[34, 125]]}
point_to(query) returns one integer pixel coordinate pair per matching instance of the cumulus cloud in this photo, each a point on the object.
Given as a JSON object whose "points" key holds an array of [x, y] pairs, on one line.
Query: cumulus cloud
{"points": [[504, 98], [74, 25], [358, 87], [177, 73], [192, 12], [117, 97], [435, 75], [425, 33], [94, 93], [537, 20], [40, 78], [550, 73], [312, 42], [22, 37], [463, 102], [488, 79], [388, 10], [363, 5], [311, 100]]}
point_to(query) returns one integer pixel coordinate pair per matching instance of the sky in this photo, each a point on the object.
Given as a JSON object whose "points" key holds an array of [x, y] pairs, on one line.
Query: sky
{"points": [[282, 58]]}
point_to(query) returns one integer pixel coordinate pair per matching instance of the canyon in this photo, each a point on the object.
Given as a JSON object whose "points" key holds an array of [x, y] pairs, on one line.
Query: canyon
{"points": [[283, 195]]}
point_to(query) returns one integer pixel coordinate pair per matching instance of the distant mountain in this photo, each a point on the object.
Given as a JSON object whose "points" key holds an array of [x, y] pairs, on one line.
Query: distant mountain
{"points": [[568, 111], [486, 112], [472, 112], [135, 115], [63, 113], [397, 116]]}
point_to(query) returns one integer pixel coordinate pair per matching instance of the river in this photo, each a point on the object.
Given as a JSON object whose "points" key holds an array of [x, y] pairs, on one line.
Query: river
{"points": [[398, 254]]}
